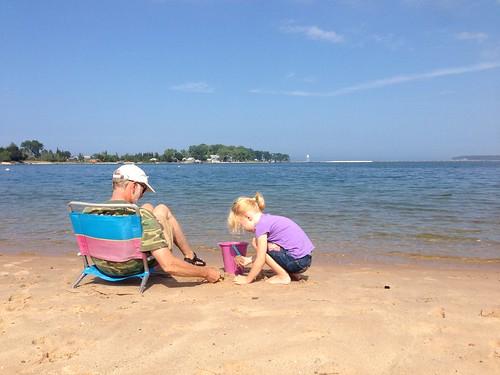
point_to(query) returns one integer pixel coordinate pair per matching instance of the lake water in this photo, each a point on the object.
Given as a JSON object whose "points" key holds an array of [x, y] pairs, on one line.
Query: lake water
{"points": [[449, 209]]}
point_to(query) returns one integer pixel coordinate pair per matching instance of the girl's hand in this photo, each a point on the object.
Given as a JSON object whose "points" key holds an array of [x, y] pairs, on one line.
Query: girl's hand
{"points": [[273, 247], [242, 261], [241, 280]]}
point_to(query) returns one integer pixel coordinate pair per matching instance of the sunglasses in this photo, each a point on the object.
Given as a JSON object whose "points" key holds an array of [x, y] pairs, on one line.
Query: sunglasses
{"points": [[144, 188]]}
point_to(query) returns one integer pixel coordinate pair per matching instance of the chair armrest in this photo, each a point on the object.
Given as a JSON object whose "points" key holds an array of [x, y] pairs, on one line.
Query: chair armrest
{"points": [[105, 205]]}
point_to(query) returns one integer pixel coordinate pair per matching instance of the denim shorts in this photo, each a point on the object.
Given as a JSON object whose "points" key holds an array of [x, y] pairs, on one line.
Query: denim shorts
{"points": [[289, 263]]}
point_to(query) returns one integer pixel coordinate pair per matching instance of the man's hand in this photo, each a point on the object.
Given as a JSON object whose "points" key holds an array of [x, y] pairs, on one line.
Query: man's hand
{"points": [[241, 280], [213, 275]]}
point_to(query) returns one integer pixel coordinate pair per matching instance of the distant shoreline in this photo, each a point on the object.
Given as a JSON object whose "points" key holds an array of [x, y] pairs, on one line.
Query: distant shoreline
{"points": [[139, 163], [7, 164], [477, 158]]}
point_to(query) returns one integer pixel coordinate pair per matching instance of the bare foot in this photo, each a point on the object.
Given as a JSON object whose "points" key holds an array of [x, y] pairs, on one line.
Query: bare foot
{"points": [[277, 279]]}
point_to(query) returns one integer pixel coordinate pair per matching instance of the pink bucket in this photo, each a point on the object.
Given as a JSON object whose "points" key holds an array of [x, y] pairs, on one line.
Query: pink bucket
{"points": [[229, 253]]}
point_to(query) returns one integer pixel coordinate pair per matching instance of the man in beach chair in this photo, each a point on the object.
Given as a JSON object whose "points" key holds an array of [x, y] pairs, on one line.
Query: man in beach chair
{"points": [[160, 231]]}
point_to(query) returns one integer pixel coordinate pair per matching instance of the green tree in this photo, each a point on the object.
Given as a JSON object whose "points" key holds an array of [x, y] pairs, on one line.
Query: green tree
{"points": [[169, 155], [15, 153], [4, 154], [32, 148], [280, 157], [199, 152], [178, 156], [47, 155], [105, 157], [62, 155], [241, 153], [225, 153]]}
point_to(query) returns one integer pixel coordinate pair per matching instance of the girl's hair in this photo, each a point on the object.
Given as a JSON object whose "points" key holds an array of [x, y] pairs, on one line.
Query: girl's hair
{"points": [[243, 205]]}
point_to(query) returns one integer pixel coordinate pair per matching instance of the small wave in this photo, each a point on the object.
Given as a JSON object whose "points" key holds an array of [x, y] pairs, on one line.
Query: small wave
{"points": [[435, 237], [443, 195], [445, 257], [381, 235]]}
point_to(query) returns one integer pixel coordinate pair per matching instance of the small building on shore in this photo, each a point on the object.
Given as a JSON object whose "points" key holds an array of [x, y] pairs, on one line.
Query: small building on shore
{"points": [[213, 159]]}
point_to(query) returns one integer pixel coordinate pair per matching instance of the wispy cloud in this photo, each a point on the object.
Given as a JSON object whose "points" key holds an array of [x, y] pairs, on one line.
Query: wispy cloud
{"points": [[313, 32], [444, 4], [292, 76], [466, 35], [390, 81], [390, 41], [194, 87]]}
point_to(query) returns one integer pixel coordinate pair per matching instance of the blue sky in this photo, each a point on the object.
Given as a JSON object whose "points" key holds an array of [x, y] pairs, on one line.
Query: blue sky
{"points": [[338, 79]]}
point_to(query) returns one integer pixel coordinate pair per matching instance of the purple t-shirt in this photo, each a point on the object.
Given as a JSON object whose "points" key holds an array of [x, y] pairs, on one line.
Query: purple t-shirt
{"points": [[285, 233]]}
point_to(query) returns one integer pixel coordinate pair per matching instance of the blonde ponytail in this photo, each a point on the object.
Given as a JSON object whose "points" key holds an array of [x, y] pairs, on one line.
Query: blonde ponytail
{"points": [[259, 200]]}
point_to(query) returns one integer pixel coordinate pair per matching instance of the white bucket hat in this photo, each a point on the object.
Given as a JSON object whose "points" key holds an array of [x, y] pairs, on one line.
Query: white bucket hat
{"points": [[131, 172]]}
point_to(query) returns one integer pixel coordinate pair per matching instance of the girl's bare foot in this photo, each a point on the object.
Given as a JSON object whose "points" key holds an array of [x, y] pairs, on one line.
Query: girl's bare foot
{"points": [[278, 279]]}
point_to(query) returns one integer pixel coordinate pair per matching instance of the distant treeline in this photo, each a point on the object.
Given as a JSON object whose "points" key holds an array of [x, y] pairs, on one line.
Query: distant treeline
{"points": [[35, 151]]}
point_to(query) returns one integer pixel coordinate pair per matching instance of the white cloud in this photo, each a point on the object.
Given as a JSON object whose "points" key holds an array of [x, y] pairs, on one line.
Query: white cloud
{"points": [[314, 32], [390, 81], [466, 35], [194, 87]]}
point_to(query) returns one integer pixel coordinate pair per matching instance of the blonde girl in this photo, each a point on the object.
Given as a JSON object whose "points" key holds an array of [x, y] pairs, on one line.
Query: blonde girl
{"points": [[279, 242]]}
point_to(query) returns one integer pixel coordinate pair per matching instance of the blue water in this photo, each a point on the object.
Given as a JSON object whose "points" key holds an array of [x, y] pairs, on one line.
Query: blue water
{"points": [[435, 208]]}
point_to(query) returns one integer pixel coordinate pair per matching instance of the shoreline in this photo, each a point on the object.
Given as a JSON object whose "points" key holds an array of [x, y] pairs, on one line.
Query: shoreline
{"points": [[389, 258], [34, 162], [145, 162], [344, 319]]}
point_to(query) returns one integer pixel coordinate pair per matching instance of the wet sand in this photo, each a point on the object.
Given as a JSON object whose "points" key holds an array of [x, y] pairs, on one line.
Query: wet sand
{"points": [[346, 318]]}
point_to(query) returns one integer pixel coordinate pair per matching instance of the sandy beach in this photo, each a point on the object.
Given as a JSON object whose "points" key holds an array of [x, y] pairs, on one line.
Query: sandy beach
{"points": [[344, 319]]}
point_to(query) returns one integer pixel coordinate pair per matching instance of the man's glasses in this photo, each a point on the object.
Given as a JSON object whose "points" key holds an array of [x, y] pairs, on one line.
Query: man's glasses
{"points": [[144, 188]]}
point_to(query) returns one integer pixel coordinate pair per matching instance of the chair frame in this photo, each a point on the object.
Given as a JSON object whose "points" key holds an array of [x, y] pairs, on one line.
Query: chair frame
{"points": [[91, 269]]}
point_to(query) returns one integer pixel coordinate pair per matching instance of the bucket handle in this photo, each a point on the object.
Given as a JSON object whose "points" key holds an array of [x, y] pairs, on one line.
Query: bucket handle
{"points": [[233, 246]]}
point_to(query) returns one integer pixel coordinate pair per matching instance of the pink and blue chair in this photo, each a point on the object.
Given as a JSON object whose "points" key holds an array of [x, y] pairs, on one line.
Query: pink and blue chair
{"points": [[115, 238]]}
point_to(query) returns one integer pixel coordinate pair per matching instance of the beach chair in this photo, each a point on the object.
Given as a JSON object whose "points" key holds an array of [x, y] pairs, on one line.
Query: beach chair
{"points": [[112, 238]]}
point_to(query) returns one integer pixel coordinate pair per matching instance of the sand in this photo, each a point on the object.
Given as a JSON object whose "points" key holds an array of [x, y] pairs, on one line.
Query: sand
{"points": [[344, 319]]}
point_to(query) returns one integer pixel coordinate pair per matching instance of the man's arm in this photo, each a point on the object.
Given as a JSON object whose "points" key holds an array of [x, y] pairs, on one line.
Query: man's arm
{"points": [[174, 266]]}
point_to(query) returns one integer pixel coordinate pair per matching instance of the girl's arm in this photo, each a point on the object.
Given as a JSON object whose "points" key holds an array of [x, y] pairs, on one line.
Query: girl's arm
{"points": [[258, 264]]}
